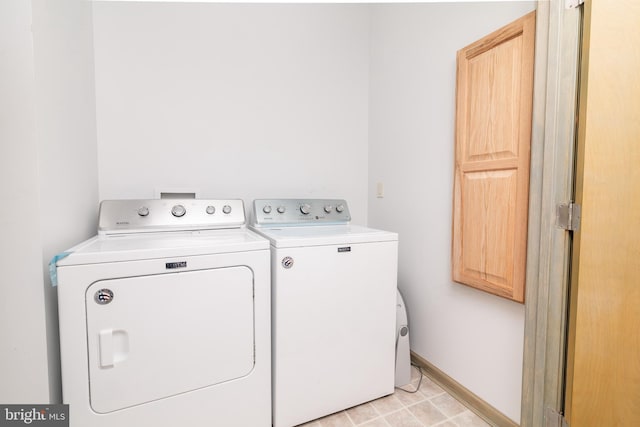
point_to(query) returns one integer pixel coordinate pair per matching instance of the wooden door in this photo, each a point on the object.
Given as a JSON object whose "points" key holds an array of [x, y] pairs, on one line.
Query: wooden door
{"points": [[493, 137], [603, 382]]}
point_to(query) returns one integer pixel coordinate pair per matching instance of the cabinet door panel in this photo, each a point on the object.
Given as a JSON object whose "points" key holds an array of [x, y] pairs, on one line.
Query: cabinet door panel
{"points": [[491, 183]]}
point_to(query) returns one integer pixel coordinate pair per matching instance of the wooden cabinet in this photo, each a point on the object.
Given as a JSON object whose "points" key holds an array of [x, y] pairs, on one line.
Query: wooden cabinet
{"points": [[491, 183]]}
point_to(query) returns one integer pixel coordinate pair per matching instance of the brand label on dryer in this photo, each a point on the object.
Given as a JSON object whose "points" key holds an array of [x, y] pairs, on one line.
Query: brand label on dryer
{"points": [[179, 264], [103, 296], [345, 249]]}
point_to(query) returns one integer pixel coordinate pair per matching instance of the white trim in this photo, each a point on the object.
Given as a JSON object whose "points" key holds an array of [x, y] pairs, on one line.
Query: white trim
{"points": [[572, 4]]}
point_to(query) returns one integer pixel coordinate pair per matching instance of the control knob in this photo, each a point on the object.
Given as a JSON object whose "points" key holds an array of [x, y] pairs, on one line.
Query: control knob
{"points": [[305, 208], [178, 211], [328, 208], [340, 208], [267, 209], [211, 210], [143, 211], [226, 209], [281, 209]]}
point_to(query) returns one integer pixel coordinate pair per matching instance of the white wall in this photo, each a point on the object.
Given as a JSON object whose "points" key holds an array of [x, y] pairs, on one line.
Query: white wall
{"points": [[67, 148], [23, 351], [474, 337], [49, 162], [237, 100]]}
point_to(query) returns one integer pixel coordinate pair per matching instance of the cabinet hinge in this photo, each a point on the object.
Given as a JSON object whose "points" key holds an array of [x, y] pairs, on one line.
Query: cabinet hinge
{"points": [[554, 418], [572, 4], [568, 216]]}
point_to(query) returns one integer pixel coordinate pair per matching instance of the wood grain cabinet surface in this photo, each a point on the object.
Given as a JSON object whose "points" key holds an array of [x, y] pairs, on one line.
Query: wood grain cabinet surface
{"points": [[491, 182]]}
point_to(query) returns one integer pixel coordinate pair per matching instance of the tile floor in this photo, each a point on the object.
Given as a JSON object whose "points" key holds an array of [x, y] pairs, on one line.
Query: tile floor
{"points": [[431, 406]]}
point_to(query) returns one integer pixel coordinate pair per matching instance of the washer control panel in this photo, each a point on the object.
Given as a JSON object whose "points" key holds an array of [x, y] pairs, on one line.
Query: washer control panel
{"points": [[296, 212], [130, 216]]}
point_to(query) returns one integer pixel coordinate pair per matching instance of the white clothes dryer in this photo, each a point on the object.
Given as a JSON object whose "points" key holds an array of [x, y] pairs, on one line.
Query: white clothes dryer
{"points": [[333, 308], [165, 318]]}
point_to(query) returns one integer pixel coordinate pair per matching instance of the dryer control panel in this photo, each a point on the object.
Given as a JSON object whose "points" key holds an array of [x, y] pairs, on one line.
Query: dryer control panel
{"points": [[299, 212], [135, 216]]}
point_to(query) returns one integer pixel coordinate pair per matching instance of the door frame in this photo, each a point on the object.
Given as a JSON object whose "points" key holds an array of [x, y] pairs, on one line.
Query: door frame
{"points": [[558, 36]]}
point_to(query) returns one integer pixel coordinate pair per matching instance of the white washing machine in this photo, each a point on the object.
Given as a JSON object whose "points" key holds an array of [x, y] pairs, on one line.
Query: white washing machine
{"points": [[333, 308], [165, 318]]}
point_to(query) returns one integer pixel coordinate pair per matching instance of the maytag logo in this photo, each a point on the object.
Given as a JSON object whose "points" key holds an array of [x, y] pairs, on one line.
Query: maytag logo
{"points": [[37, 415], [179, 264]]}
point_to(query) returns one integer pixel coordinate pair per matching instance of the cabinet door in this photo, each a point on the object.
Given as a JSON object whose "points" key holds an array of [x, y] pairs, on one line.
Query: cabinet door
{"points": [[491, 183]]}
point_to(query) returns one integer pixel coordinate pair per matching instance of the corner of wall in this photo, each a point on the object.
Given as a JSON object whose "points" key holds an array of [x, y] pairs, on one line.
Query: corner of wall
{"points": [[66, 144]]}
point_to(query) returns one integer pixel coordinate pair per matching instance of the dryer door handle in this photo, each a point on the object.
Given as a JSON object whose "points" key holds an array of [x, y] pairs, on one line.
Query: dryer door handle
{"points": [[114, 347], [106, 348]]}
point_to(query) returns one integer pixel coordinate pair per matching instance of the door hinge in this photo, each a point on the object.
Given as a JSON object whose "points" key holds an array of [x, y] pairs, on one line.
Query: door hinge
{"points": [[554, 418], [568, 216], [572, 4]]}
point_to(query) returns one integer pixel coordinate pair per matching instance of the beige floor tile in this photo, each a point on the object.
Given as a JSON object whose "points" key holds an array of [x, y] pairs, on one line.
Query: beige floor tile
{"points": [[469, 419], [448, 405], [339, 419], [429, 388], [402, 418], [387, 404], [363, 413], [378, 422], [431, 406], [427, 413], [409, 399]]}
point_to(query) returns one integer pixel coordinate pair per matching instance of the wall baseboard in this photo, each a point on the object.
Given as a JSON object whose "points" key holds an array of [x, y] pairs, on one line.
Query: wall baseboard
{"points": [[457, 390]]}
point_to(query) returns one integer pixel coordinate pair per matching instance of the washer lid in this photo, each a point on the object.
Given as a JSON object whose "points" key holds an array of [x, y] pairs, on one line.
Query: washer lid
{"points": [[289, 237], [140, 246]]}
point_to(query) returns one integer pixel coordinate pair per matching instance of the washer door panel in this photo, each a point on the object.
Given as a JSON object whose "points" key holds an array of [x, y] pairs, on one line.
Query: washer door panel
{"points": [[166, 334]]}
